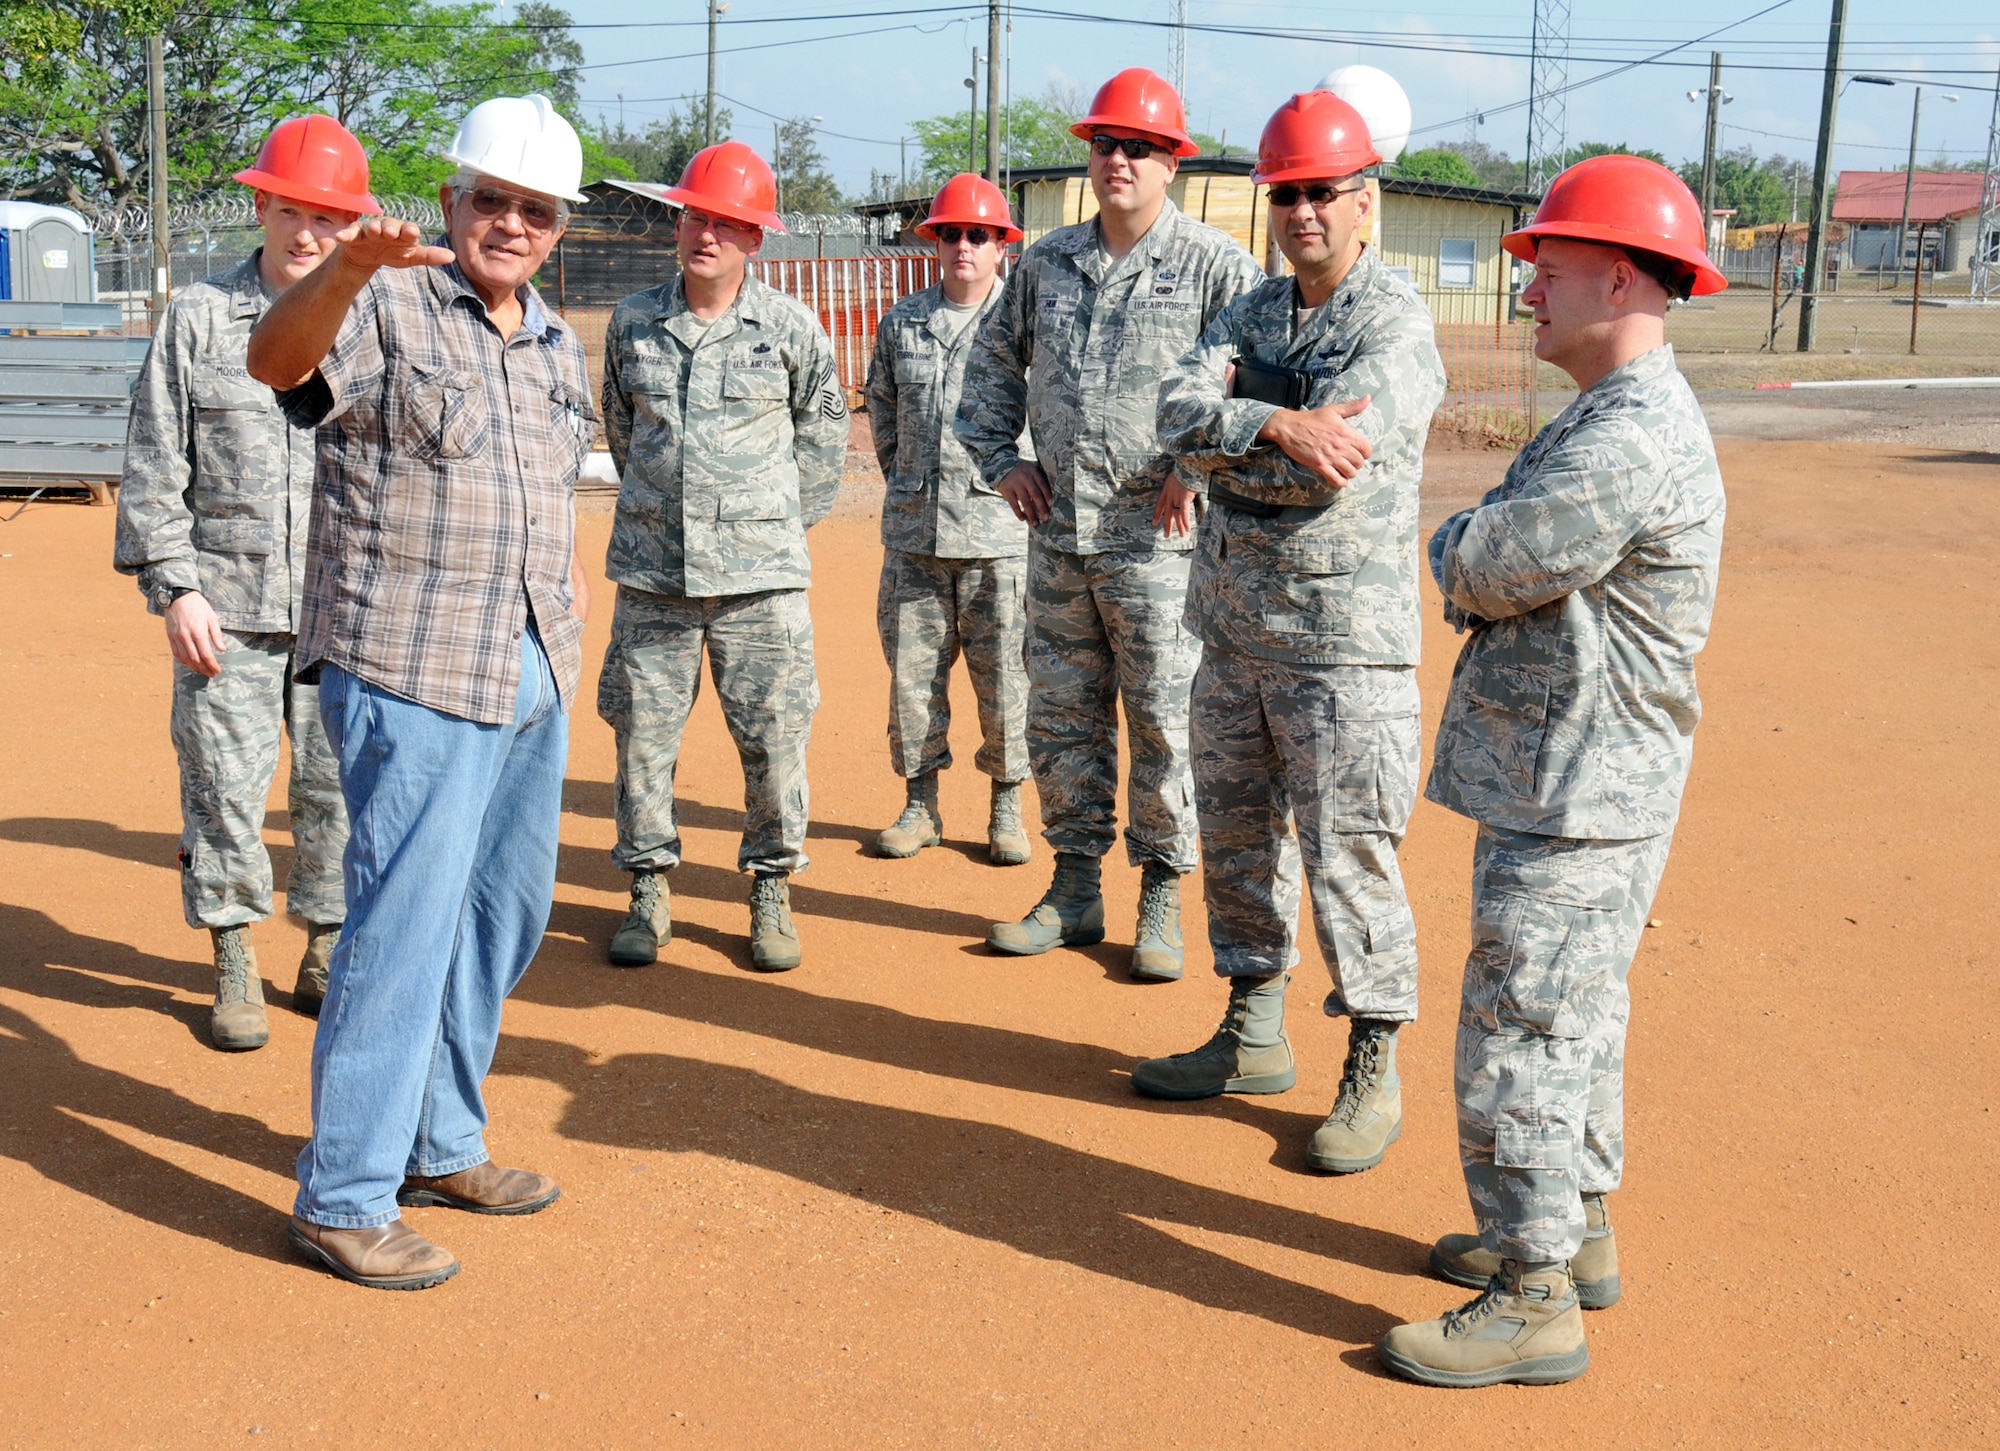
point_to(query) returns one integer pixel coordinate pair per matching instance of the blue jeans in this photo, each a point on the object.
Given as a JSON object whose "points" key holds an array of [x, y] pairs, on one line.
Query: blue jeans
{"points": [[450, 871]]}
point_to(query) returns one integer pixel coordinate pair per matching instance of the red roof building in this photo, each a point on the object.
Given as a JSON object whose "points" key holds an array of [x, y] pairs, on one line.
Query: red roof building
{"points": [[1935, 196], [1944, 215]]}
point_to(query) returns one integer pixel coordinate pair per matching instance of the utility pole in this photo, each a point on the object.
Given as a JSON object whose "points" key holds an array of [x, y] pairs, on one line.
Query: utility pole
{"points": [[903, 151], [714, 13], [777, 164], [1903, 227], [992, 93], [972, 115], [1829, 103], [156, 106], [1708, 140]]}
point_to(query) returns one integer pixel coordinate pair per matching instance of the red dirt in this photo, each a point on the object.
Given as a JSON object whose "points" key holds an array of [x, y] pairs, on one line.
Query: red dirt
{"points": [[904, 1196]]}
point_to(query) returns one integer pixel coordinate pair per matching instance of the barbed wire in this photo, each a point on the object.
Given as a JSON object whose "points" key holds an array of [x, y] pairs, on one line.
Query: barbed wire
{"points": [[226, 211]]}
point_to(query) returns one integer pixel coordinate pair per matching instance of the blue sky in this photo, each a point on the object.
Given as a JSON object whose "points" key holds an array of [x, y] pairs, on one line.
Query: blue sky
{"points": [[1464, 55]]}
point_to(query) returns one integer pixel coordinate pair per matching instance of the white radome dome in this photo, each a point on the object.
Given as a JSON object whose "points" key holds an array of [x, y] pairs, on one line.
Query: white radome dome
{"points": [[1382, 102]]}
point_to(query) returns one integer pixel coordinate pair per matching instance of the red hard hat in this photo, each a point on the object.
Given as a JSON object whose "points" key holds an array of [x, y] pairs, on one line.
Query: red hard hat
{"points": [[1312, 136], [1623, 201], [1138, 100], [969, 201], [313, 159], [730, 180]]}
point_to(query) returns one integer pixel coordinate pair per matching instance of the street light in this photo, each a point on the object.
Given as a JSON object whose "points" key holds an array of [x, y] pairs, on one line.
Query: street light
{"points": [[1717, 97]]}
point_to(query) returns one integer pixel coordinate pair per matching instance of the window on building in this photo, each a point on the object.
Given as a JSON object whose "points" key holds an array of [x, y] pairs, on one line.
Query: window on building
{"points": [[1458, 262]]}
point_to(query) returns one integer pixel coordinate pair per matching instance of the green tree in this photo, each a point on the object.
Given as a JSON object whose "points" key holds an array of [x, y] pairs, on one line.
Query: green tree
{"points": [[1494, 168], [1760, 189], [804, 183], [1034, 131], [662, 151], [1584, 150], [1437, 163], [398, 73]]}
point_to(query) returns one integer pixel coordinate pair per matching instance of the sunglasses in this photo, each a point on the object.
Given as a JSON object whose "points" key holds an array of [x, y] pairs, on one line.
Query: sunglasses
{"points": [[536, 215], [978, 236], [1320, 193], [1138, 148]]}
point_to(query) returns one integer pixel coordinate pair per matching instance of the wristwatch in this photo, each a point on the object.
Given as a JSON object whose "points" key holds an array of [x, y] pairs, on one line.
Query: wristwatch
{"points": [[166, 594]]}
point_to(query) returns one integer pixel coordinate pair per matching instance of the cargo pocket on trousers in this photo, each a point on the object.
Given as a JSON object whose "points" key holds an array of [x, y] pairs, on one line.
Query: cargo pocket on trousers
{"points": [[1557, 981], [1518, 1145]]}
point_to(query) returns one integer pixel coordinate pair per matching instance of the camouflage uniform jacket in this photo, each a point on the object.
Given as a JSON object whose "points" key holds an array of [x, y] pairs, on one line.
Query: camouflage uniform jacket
{"points": [[937, 502], [730, 439], [1586, 580], [217, 493], [1333, 579], [1098, 337]]}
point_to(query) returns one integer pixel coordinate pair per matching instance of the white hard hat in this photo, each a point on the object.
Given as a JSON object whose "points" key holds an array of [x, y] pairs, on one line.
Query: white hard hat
{"points": [[523, 140]]}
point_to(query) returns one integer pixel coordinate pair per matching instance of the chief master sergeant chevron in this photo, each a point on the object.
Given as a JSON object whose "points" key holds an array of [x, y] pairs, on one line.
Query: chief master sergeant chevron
{"points": [[1093, 317], [727, 420], [1304, 594], [1585, 582]]}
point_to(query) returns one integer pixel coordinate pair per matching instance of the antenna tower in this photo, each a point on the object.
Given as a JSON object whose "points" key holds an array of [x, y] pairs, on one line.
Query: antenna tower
{"points": [[1548, 79], [1177, 47], [1985, 262]]}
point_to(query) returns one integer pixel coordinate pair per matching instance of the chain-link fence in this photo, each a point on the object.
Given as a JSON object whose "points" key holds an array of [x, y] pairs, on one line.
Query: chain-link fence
{"points": [[1879, 316]]}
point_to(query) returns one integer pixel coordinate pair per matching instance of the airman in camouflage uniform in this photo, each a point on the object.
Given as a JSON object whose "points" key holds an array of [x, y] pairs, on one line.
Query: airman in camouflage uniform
{"points": [[1076, 351], [1304, 595], [730, 434], [1584, 584], [214, 506], [954, 571]]}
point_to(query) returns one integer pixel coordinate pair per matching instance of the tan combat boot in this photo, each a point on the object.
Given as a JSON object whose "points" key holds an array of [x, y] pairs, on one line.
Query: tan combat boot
{"points": [[1070, 914], [1461, 1259], [1367, 1116], [309, 995], [648, 924], [1249, 1053], [774, 942], [237, 1021], [1525, 1328], [1006, 838], [919, 826], [1156, 945]]}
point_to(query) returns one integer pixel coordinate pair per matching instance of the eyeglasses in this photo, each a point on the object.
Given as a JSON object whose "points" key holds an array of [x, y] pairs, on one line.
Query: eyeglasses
{"points": [[536, 215], [978, 236], [1138, 148], [1320, 193]]}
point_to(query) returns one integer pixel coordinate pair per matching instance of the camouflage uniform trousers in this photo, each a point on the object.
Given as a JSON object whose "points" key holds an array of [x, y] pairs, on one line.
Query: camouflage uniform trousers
{"points": [[930, 609], [760, 654], [225, 730], [1540, 1065], [1332, 751], [1105, 629]]}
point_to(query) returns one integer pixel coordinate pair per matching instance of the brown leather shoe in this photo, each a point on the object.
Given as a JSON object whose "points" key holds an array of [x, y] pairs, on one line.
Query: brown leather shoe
{"points": [[484, 1189], [390, 1256]]}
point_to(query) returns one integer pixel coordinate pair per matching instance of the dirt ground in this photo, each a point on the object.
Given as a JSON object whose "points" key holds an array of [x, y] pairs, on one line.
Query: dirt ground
{"points": [[904, 1196]]}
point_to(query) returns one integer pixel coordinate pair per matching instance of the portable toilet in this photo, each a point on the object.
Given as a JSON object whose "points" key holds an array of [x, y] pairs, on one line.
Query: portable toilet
{"points": [[45, 254]]}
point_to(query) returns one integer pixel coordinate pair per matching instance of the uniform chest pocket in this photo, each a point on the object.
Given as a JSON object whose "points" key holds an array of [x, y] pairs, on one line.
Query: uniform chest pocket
{"points": [[445, 415], [216, 392], [231, 419], [917, 372], [757, 385]]}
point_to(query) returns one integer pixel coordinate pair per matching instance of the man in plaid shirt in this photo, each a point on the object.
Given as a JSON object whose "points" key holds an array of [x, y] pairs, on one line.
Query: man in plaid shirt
{"points": [[442, 617]]}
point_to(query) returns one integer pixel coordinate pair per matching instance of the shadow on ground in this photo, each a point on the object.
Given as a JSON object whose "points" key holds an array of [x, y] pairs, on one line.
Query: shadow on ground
{"points": [[979, 1179], [52, 1093]]}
